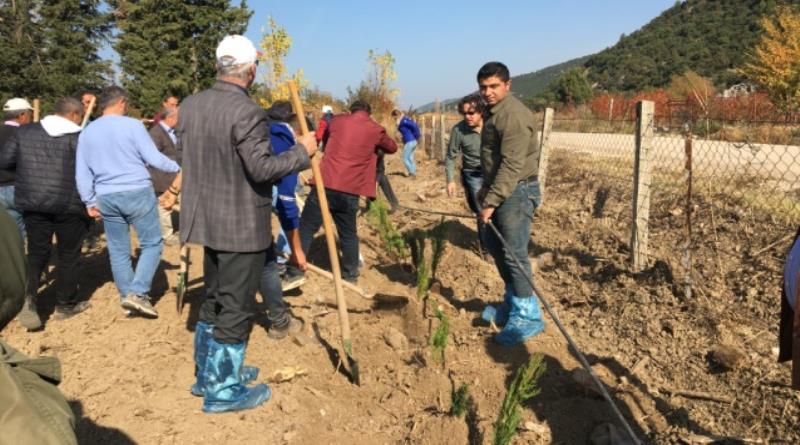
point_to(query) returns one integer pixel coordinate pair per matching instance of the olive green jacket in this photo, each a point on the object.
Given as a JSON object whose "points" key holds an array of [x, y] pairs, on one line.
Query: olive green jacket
{"points": [[32, 409], [509, 149]]}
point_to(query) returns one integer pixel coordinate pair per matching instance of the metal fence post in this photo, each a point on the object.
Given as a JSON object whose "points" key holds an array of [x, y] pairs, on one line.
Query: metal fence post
{"points": [[544, 148], [641, 185]]}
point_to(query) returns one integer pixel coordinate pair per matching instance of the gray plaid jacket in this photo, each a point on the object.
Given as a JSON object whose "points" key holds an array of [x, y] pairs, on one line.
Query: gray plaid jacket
{"points": [[228, 170]]}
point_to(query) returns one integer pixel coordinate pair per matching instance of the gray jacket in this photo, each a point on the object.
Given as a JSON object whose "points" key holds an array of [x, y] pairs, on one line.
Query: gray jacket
{"points": [[228, 170]]}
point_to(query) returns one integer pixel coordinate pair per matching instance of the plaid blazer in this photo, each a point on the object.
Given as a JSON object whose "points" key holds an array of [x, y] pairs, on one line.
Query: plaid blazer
{"points": [[228, 170]]}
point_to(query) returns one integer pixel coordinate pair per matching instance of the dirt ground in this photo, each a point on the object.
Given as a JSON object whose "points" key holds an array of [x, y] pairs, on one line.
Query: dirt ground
{"points": [[128, 378]]}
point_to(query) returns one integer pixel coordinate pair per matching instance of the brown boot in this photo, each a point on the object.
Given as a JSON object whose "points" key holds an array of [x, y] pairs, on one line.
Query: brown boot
{"points": [[28, 317]]}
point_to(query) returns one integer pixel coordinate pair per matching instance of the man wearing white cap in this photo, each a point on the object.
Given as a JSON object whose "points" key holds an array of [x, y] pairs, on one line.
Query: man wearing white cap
{"points": [[229, 168], [16, 112]]}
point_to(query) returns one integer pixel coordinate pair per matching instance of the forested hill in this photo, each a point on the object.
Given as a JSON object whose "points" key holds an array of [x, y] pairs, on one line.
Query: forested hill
{"points": [[710, 37]]}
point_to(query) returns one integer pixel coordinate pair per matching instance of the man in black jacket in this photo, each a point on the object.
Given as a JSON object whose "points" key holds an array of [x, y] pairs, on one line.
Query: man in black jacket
{"points": [[44, 156], [16, 112], [228, 171], [165, 138]]}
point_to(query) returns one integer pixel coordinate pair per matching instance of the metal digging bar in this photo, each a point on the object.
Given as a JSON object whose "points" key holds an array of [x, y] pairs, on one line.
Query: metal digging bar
{"points": [[556, 320]]}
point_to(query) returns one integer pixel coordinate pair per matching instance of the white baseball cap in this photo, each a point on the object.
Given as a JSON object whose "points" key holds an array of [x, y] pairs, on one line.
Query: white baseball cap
{"points": [[327, 109], [17, 104], [236, 50]]}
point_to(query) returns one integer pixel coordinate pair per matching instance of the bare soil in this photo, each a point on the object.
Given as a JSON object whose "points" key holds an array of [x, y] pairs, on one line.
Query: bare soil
{"points": [[128, 378]]}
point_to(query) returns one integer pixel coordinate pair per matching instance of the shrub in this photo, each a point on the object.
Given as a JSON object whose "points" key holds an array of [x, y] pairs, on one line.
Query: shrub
{"points": [[524, 387]]}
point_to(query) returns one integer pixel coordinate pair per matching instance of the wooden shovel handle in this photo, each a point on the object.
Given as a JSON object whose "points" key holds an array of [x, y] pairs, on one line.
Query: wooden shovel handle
{"points": [[327, 223], [88, 112]]}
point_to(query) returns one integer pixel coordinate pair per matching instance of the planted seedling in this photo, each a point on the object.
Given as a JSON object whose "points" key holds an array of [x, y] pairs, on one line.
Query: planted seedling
{"points": [[524, 387], [438, 341], [393, 242], [460, 401]]}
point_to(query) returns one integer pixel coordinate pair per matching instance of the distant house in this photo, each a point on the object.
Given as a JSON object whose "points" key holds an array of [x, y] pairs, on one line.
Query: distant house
{"points": [[740, 89]]}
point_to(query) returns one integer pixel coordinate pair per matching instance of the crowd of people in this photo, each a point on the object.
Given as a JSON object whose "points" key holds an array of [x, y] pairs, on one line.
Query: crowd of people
{"points": [[231, 164]]}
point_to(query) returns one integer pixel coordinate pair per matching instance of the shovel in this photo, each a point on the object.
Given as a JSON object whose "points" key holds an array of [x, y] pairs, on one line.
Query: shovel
{"points": [[346, 359]]}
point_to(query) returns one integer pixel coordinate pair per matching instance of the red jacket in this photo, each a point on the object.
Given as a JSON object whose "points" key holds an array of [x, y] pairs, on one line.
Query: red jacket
{"points": [[351, 144]]}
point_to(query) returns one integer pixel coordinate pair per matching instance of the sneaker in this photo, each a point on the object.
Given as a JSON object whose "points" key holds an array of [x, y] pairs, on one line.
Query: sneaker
{"points": [[294, 326], [28, 317], [291, 281], [140, 304], [66, 311]]}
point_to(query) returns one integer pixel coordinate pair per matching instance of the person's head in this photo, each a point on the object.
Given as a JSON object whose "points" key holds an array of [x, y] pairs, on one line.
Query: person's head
{"points": [[18, 110], [360, 105], [494, 82], [169, 116], [113, 100], [86, 98], [170, 102], [327, 109], [237, 60], [281, 111], [471, 107], [69, 108], [396, 113]]}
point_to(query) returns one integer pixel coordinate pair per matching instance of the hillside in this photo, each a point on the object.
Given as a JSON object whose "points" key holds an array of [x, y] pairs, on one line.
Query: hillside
{"points": [[711, 37]]}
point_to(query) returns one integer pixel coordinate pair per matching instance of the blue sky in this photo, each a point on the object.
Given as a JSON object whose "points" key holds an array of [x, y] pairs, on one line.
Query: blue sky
{"points": [[440, 44]]}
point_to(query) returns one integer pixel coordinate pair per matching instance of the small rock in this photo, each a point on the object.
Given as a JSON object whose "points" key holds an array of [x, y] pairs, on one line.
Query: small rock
{"points": [[421, 197], [395, 339], [727, 356], [676, 212], [462, 312]]}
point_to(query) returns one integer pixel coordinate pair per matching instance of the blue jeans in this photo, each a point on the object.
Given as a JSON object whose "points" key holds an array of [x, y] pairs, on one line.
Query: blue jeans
{"points": [[7, 200], [513, 218], [472, 180], [408, 157], [137, 208]]}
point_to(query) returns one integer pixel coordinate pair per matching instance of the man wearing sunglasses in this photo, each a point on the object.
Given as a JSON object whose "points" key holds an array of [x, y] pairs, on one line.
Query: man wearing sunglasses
{"points": [[465, 139]]}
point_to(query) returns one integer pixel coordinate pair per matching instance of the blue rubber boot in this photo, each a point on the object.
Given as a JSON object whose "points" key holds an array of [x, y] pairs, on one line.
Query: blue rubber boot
{"points": [[499, 314], [202, 332], [224, 389], [524, 321]]}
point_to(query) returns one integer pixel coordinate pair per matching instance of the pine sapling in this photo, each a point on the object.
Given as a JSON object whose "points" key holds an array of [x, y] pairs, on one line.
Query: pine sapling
{"points": [[460, 401], [524, 387], [438, 238], [438, 341]]}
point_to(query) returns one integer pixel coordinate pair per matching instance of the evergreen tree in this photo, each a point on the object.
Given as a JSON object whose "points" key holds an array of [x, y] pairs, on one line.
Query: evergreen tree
{"points": [[168, 47], [49, 48]]}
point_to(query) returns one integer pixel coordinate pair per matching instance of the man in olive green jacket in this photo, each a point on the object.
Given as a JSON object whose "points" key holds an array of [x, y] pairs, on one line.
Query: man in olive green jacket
{"points": [[509, 197], [32, 409]]}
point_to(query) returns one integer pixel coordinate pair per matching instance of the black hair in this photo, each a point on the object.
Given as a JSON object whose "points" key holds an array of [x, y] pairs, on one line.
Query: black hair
{"points": [[67, 105], [395, 112], [360, 105], [13, 114], [474, 100], [110, 96], [494, 69], [280, 111]]}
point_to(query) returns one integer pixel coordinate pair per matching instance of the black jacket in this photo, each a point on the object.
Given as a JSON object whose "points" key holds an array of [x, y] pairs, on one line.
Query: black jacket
{"points": [[228, 170], [45, 166], [6, 175], [162, 180]]}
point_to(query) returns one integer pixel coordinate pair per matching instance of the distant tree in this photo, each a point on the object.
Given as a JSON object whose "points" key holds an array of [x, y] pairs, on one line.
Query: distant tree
{"points": [[49, 48], [168, 47], [572, 88], [377, 88], [276, 44], [774, 64], [696, 91]]}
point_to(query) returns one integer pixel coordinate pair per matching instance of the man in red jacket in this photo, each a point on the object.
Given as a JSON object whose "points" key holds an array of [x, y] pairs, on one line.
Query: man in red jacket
{"points": [[348, 169]]}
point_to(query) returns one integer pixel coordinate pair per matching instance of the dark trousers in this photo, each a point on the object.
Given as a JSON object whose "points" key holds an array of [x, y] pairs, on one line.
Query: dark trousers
{"points": [[271, 291], [70, 230], [343, 208], [231, 280], [472, 180], [513, 219], [383, 182]]}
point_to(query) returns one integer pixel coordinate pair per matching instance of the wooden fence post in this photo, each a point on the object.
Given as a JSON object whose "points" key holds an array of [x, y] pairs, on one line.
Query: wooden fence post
{"points": [[641, 185], [423, 139], [544, 148], [442, 133]]}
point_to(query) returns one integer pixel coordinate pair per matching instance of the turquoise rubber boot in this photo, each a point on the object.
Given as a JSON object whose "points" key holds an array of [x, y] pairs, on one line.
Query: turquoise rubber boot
{"points": [[202, 332], [524, 321], [499, 314], [224, 390]]}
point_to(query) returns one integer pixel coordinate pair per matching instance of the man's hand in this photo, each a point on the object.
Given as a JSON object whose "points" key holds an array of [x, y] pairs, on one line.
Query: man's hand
{"points": [[486, 214], [93, 212], [167, 200], [451, 189], [309, 141], [299, 260]]}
